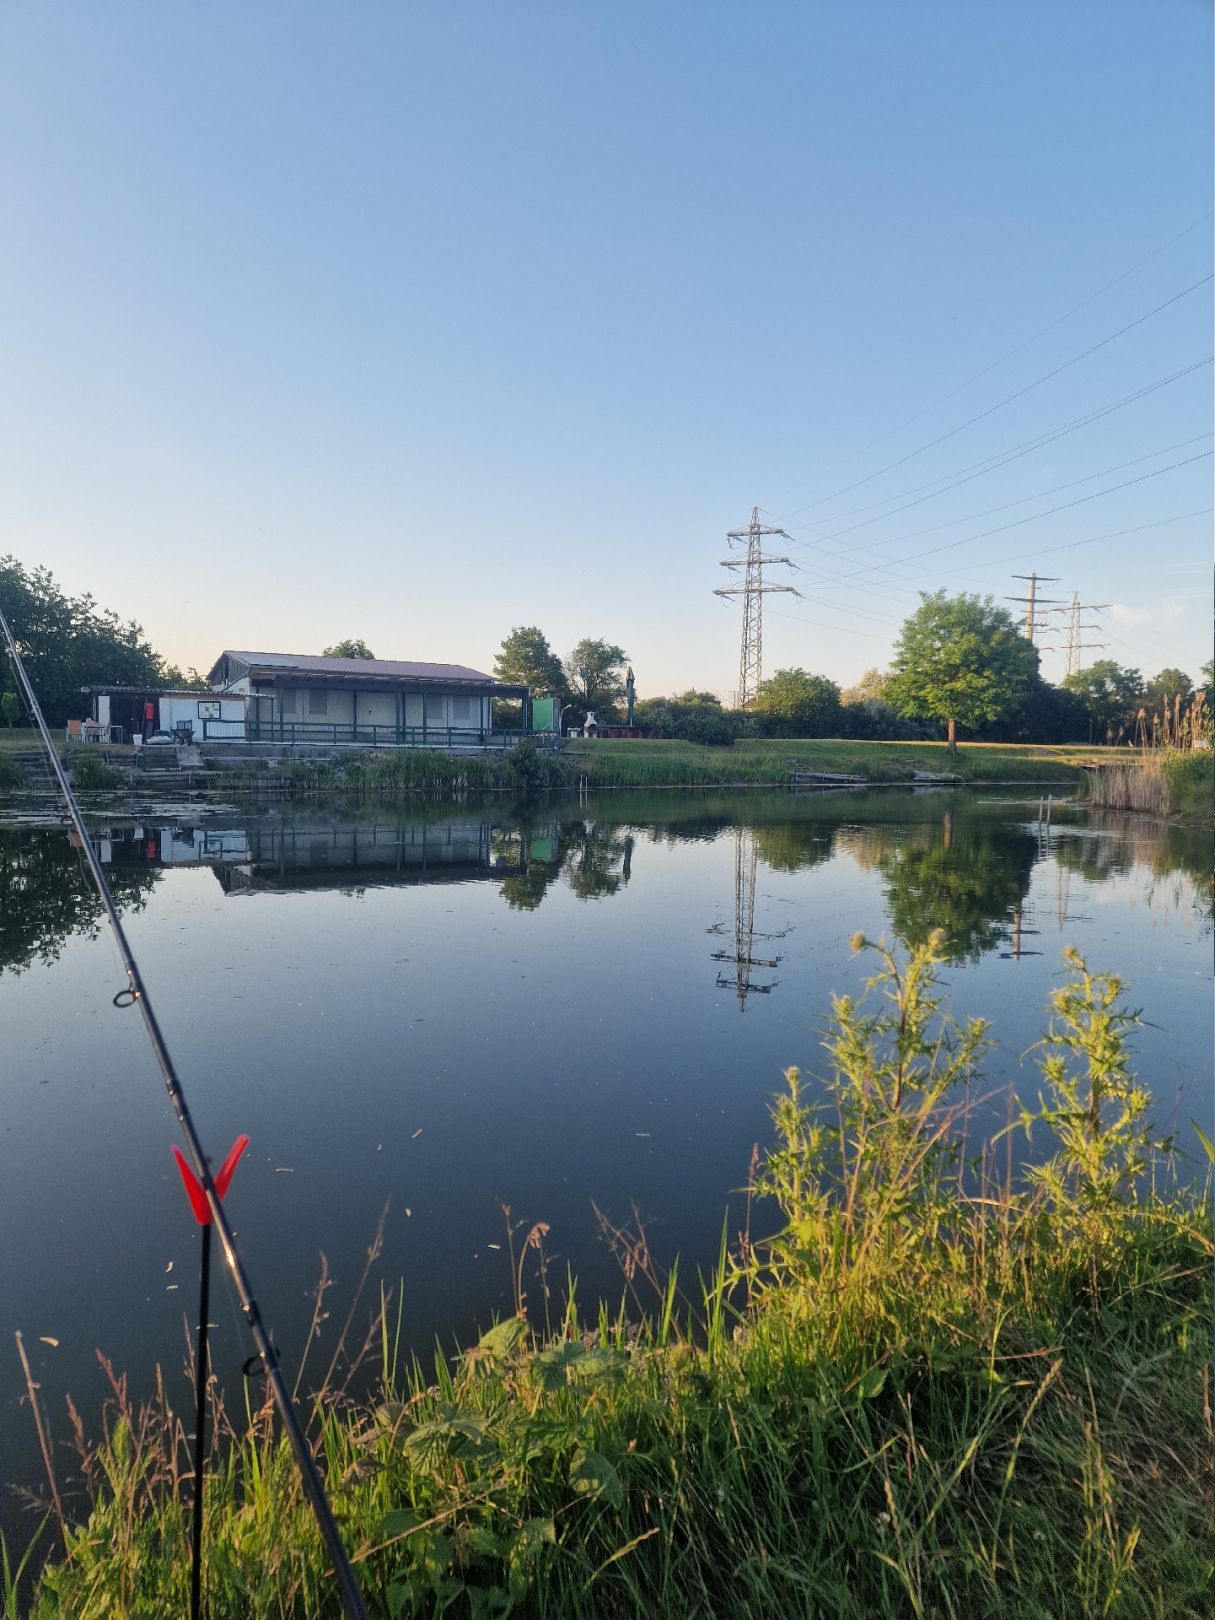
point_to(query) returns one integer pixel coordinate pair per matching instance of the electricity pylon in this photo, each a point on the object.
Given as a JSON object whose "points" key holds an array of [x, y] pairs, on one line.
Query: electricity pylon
{"points": [[1031, 601], [752, 590], [1075, 643]]}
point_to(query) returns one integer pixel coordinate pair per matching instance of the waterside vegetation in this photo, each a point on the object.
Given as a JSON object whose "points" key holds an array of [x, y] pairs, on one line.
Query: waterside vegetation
{"points": [[927, 1389], [1168, 782]]}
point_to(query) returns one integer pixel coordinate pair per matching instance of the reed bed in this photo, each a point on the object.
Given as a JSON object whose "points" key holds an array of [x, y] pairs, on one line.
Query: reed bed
{"points": [[908, 1388], [1159, 782]]}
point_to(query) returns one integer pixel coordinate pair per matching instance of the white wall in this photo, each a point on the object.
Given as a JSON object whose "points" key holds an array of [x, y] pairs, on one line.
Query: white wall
{"points": [[180, 711]]}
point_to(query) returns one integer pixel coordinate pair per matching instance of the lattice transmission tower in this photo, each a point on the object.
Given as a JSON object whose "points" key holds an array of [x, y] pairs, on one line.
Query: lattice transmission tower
{"points": [[1075, 643], [753, 590]]}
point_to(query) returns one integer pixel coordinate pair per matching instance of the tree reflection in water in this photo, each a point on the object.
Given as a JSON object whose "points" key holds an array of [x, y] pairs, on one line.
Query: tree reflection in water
{"points": [[46, 895]]}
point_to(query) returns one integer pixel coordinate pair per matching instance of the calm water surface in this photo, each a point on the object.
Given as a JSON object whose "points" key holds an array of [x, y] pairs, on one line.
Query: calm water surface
{"points": [[443, 1012]]}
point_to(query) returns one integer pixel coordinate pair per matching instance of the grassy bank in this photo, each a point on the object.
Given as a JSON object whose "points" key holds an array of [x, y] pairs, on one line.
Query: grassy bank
{"points": [[615, 763], [926, 1393], [1160, 782], [607, 763]]}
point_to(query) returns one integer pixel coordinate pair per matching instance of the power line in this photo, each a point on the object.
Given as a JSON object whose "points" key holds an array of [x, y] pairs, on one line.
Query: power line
{"points": [[1040, 494], [970, 517], [1009, 398], [1019, 556], [1001, 458], [1011, 353], [1017, 523]]}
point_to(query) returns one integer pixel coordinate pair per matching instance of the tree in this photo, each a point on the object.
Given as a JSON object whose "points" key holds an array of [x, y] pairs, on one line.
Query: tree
{"points": [[67, 643], [526, 659], [960, 659], [356, 648], [10, 707], [869, 689], [1169, 684], [797, 704], [1112, 697], [594, 674]]}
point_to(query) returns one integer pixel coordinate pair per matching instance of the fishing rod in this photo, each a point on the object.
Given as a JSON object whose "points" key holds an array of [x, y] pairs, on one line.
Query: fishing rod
{"points": [[136, 995]]}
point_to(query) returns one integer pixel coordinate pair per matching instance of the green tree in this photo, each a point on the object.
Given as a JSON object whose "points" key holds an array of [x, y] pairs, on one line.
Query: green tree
{"points": [[10, 707], [692, 699], [1112, 697], [870, 688], [350, 648], [1169, 684], [797, 704], [594, 674], [526, 659], [960, 659], [67, 643]]}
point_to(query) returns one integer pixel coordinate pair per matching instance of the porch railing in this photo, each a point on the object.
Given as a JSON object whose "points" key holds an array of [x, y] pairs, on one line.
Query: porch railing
{"points": [[321, 732]]}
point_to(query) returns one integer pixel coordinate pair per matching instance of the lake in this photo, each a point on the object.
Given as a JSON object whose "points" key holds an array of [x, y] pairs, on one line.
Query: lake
{"points": [[437, 1011]]}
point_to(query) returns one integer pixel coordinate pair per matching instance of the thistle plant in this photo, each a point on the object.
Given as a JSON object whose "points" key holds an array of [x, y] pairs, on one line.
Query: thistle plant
{"points": [[875, 1172], [1092, 1102]]}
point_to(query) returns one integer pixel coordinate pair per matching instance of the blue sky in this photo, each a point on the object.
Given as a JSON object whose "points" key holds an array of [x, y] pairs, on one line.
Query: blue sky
{"points": [[417, 322]]}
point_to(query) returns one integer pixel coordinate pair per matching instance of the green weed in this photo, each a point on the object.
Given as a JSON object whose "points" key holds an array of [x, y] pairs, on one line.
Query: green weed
{"points": [[922, 1392]]}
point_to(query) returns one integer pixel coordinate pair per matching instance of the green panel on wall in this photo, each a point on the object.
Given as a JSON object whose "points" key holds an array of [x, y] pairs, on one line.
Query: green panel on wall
{"points": [[543, 718]]}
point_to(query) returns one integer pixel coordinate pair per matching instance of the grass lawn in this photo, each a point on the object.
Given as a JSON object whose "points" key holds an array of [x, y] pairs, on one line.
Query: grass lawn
{"points": [[614, 763]]}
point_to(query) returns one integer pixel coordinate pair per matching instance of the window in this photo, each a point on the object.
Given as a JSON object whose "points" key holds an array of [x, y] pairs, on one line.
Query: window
{"points": [[318, 702], [288, 701], [436, 713], [461, 711]]}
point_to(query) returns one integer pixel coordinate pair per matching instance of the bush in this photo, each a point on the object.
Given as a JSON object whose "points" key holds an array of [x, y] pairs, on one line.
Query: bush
{"points": [[91, 773], [11, 774]]}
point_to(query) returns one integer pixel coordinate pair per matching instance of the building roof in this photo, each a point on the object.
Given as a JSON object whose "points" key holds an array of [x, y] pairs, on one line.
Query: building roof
{"points": [[384, 668]]}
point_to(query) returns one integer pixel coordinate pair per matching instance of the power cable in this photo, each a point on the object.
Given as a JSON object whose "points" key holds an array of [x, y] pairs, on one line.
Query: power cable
{"points": [[1011, 353], [1041, 494], [1009, 398], [1001, 458], [1017, 523]]}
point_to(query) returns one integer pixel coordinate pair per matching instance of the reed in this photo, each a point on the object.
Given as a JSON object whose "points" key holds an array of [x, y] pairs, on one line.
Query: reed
{"points": [[1160, 782], [921, 1390], [91, 773]]}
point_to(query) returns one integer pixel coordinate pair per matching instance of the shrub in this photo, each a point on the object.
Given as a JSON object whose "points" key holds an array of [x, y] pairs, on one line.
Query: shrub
{"points": [[91, 773]]}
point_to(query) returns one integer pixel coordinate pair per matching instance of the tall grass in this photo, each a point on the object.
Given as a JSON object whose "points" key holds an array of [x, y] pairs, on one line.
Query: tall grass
{"points": [[922, 1392], [90, 772], [1160, 782]]}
